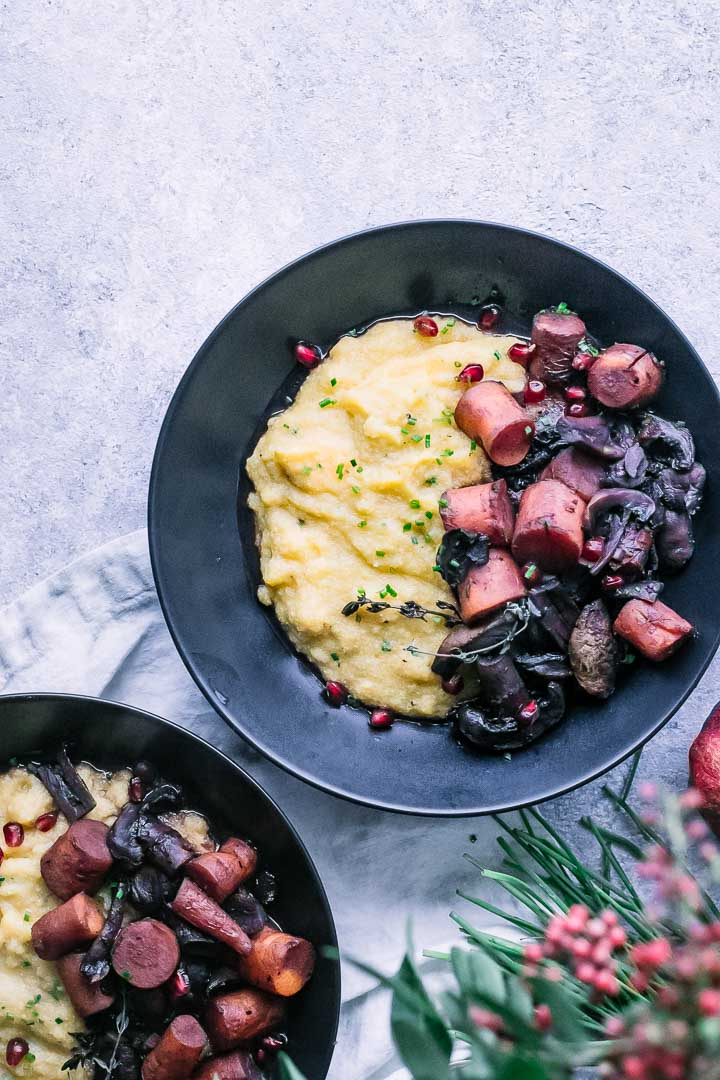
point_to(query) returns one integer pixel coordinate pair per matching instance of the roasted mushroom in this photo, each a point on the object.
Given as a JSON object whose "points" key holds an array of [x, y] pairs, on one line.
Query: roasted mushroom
{"points": [[675, 541], [593, 655], [667, 441]]}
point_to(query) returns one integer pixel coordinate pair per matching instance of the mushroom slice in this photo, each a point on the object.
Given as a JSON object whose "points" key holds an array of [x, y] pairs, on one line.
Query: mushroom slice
{"points": [[592, 651]]}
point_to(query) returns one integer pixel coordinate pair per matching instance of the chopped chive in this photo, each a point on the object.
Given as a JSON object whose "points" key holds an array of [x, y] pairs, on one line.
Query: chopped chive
{"points": [[427, 440], [431, 480], [407, 526], [319, 465], [355, 489], [436, 569], [353, 462], [333, 382], [390, 591], [380, 554], [473, 445], [340, 470], [414, 539], [420, 524], [361, 524], [404, 431], [429, 514], [443, 503], [446, 453], [386, 646], [496, 354], [327, 401], [415, 504], [411, 421], [458, 363], [428, 539], [416, 438], [301, 521], [359, 468], [334, 656], [26, 916], [306, 470], [528, 431]]}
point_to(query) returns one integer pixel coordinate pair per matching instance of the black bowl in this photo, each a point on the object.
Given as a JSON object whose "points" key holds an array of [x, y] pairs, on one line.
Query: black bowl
{"points": [[111, 735], [201, 532]]}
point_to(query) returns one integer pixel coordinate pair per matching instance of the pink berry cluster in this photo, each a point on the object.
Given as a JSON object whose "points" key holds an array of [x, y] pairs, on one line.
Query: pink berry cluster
{"points": [[584, 944]]}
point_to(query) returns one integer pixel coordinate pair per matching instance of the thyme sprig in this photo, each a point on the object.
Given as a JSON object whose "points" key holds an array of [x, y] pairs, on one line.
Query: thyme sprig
{"points": [[468, 656], [410, 609]]}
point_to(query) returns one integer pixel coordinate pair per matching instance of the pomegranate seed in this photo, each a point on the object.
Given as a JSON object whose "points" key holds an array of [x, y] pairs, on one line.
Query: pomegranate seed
{"points": [[381, 719], [179, 985], [307, 355], [15, 1051], [532, 573], [583, 361], [335, 693], [46, 822], [611, 582], [471, 373], [529, 712], [425, 326], [593, 549], [135, 790], [578, 408], [489, 317], [534, 391], [521, 352], [575, 393], [14, 833]]}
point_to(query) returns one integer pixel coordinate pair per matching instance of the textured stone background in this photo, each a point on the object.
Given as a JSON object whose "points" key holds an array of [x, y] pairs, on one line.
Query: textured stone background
{"points": [[159, 159]]}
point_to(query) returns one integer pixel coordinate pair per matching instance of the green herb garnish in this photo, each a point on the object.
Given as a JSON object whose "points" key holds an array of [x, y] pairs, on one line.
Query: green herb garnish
{"points": [[327, 401]]}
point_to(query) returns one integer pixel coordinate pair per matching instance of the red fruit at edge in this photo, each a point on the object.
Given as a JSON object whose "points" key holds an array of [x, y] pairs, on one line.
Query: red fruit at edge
{"points": [[15, 1051], [472, 373], [534, 391], [532, 574], [14, 833], [489, 317], [381, 719], [453, 685], [179, 985], [335, 693], [521, 352], [425, 326], [135, 789], [307, 355], [578, 408], [593, 549], [529, 712], [704, 758], [575, 393], [583, 361], [46, 822]]}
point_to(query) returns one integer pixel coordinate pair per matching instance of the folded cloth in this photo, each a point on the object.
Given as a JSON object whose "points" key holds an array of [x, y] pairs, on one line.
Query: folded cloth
{"points": [[96, 628]]}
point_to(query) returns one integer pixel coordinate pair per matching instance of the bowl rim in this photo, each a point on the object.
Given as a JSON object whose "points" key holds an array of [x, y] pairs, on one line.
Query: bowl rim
{"points": [[278, 759], [163, 723]]}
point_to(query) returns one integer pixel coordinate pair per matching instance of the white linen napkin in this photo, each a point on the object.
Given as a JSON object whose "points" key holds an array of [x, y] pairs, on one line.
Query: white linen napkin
{"points": [[96, 628]]}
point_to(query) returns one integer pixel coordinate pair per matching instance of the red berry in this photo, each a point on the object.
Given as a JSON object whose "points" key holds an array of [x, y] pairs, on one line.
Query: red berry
{"points": [[543, 1017], [472, 373], [533, 953], [611, 582], [585, 972], [532, 574], [179, 984], [335, 693], [425, 326], [453, 685], [381, 719], [135, 790], [14, 833], [15, 1051], [529, 712], [489, 317], [46, 822], [307, 355], [709, 1002], [534, 392], [583, 361], [521, 352], [578, 408], [581, 948], [575, 393], [593, 549]]}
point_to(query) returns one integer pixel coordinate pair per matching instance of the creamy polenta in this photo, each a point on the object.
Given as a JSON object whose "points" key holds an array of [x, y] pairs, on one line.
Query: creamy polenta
{"points": [[33, 1002], [347, 482]]}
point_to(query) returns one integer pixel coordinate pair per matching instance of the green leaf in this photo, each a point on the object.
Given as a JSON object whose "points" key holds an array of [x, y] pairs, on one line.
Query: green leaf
{"points": [[477, 973], [568, 1021], [419, 1032], [287, 1070], [521, 1068]]}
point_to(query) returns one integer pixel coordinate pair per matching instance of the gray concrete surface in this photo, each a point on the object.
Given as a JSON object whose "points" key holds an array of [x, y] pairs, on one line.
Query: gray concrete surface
{"points": [[159, 159]]}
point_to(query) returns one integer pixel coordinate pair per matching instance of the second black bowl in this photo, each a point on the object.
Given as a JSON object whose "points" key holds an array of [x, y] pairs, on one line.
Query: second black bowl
{"points": [[206, 565], [110, 736]]}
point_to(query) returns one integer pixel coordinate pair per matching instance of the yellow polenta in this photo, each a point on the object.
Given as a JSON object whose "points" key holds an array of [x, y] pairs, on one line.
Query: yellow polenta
{"points": [[347, 482]]}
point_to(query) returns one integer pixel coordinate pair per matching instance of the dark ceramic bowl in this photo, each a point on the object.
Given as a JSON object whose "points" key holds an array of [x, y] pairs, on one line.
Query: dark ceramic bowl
{"points": [[201, 532], [111, 736]]}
